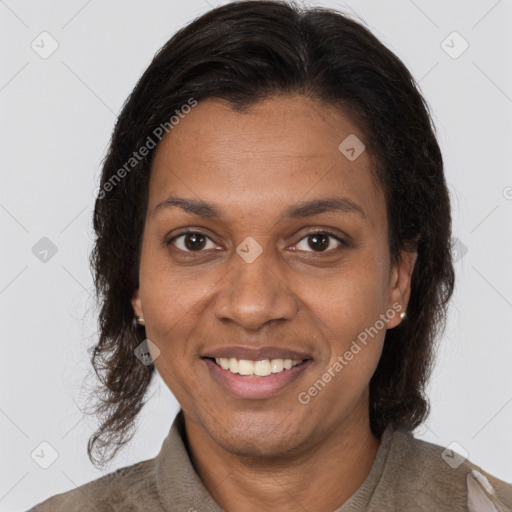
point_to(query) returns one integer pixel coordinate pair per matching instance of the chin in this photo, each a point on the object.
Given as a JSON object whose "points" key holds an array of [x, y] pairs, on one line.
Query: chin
{"points": [[262, 435], [253, 446]]}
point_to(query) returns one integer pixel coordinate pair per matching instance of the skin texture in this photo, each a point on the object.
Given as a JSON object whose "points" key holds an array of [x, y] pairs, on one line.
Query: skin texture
{"points": [[296, 295]]}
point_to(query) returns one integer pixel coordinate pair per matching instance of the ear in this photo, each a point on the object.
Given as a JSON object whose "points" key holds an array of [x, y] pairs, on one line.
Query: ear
{"points": [[136, 303], [400, 285]]}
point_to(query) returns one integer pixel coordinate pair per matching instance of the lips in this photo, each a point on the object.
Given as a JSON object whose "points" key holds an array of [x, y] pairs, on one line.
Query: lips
{"points": [[255, 373]]}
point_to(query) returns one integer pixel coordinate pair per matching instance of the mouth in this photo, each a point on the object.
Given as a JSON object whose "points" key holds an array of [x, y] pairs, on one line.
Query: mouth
{"points": [[251, 375]]}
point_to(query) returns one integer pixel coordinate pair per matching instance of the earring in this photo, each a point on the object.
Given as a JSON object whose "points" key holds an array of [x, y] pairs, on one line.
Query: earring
{"points": [[140, 320], [402, 315]]}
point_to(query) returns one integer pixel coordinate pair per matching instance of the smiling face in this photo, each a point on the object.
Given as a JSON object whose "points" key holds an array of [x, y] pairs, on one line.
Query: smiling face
{"points": [[286, 262]]}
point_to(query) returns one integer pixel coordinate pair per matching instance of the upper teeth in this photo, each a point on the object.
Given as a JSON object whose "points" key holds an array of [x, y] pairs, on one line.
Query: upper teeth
{"points": [[260, 368]]}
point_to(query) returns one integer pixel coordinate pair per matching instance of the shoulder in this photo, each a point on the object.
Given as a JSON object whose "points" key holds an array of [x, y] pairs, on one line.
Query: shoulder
{"points": [[427, 476], [130, 488]]}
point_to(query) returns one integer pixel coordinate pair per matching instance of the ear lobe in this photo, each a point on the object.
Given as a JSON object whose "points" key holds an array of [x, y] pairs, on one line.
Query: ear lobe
{"points": [[136, 303], [401, 283]]}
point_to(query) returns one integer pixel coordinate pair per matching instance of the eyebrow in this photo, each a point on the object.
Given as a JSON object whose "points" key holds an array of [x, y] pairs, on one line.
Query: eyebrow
{"points": [[298, 210]]}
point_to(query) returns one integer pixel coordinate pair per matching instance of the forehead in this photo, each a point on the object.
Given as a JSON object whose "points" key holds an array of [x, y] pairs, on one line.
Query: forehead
{"points": [[282, 150]]}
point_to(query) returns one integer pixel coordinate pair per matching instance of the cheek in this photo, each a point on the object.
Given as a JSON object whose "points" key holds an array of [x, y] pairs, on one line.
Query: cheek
{"points": [[353, 297], [348, 314], [352, 327], [170, 296], [169, 310]]}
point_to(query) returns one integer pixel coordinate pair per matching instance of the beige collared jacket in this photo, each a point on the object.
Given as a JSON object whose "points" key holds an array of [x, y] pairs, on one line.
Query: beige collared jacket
{"points": [[407, 475]]}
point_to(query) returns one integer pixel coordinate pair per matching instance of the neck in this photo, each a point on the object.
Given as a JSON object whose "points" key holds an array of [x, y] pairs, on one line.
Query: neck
{"points": [[333, 470]]}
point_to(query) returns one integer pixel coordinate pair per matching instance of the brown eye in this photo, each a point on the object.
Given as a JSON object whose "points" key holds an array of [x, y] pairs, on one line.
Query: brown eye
{"points": [[191, 242], [195, 241], [320, 242]]}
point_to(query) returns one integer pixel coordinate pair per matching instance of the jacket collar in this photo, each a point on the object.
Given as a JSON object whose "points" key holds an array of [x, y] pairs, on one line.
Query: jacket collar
{"points": [[178, 484]]}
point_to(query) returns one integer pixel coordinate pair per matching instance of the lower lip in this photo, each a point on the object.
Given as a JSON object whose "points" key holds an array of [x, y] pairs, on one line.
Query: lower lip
{"points": [[250, 386]]}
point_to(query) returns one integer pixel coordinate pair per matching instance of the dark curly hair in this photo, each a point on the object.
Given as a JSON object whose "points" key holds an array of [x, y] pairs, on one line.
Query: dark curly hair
{"points": [[244, 52]]}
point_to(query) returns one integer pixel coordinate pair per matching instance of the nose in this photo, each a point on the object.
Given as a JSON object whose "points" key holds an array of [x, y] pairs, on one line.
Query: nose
{"points": [[254, 294]]}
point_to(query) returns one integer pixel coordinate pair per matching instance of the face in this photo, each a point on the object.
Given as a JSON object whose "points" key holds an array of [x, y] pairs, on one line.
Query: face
{"points": [[264, 259]]}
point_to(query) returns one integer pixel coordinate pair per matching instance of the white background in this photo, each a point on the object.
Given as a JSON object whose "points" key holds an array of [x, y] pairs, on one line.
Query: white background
{"points": [[57, 117]]}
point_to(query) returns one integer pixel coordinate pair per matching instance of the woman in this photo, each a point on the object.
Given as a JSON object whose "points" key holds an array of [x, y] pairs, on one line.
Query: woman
{"points": [[273, 236]]}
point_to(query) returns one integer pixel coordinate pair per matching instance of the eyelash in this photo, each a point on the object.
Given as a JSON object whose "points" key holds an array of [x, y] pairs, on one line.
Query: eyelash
{"points": [[342, 242]]}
